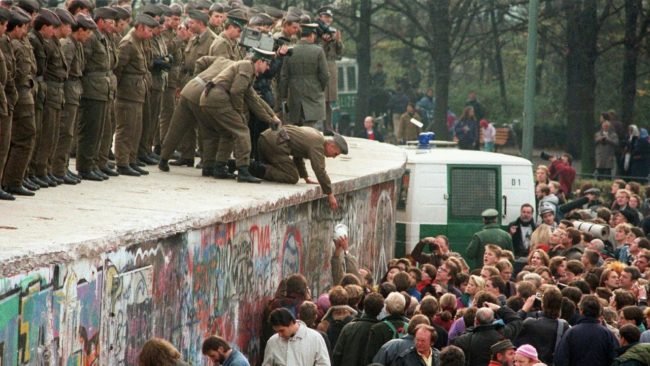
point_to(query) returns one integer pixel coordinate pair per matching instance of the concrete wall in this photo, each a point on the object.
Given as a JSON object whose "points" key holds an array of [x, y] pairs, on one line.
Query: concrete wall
{"points": [[99, 310]]}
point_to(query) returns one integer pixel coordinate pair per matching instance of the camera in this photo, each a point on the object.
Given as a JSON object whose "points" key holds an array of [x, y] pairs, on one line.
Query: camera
{"points": [[283, 41], [252, 38], [324, 29], [546, 156]]}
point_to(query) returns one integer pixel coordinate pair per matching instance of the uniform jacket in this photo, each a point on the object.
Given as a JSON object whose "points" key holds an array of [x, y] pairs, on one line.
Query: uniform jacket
{"points": [[587, 334], [55, 74], [226, 47], [175, 47], [131, 70], [197, 47], [25, 71], [606, 146], [74, 57], [4, 110], [303, 80], [406, 130], [491, 234], [40, 55], [159, 76], [10, 64], [211, 67], [333, 52], [349, 350], [477, 341], [97, 71]]}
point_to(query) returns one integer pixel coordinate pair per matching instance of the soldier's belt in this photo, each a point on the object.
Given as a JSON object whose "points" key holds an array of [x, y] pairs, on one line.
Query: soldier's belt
{"points": [[39, 79], [98, 73], [200, 81]]}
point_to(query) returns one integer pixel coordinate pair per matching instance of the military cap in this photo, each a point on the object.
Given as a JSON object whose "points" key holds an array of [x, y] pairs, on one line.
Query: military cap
{"points": [[341, 143], [305, 19], [79, 4], [202, 5], [153, 10], [325, 10], [177, 9], [260, 54], [308, 28], [105, 12], [293, 14], [5, 14], [85, 22], [166, 10], [594, 191], [217, 8], [238, 17], [18, 16], [146, 20], [199, 15], [47, 17], [30, 6], [261, 19], [501, 346], [65, 16], [490, 212], [121, 13], [273, 12]]}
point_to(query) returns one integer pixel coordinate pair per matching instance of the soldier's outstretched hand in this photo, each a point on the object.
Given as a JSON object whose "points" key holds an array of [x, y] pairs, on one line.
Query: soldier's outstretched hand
{"points": [[333, 204], [310, 181]]}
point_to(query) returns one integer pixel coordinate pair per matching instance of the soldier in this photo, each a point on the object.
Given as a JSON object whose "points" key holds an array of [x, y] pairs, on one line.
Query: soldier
{"points": [[131, 74], [72, 47], [290, 26], [333, 47], [303, 79], [189, 112], [23, 128], [80, 6], [7, 96], [175, 46], [217, 15], [96, 96], [283, 155], [225, 103], [122, 20], [43, 31], [227, 43], [491, 234], [197, 47]]}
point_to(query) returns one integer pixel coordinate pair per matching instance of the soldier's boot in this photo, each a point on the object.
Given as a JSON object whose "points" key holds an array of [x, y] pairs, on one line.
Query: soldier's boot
{"points": [[245, 176], [232, 166], [221, 172], [257, 169], [163, 165]]}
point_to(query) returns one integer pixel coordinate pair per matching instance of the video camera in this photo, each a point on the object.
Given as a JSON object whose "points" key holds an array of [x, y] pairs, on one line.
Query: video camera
{"points": [[324, 29], [546, 156], [283, 41], [252, 38]]}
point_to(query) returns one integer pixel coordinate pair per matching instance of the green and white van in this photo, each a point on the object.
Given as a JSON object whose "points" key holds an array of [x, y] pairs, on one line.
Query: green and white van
{"points": [[444, 191]]}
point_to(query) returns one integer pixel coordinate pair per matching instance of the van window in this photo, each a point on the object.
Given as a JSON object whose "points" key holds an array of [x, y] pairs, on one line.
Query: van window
{"points": [[472, 190]]}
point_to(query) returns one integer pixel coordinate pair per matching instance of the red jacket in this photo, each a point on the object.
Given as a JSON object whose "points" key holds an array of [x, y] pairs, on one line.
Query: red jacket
{"points": [[564, 173]]}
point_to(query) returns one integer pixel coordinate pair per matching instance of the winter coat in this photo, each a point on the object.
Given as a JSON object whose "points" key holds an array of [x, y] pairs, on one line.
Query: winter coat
{"points": [[587, 334], [381, 333], [541, 333], [410, 357], [606, 146], [349, 350], [635, 354]]}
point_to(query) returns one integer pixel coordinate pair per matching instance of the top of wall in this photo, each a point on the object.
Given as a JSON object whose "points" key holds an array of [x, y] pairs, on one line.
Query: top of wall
{"points": [[65, 223]]}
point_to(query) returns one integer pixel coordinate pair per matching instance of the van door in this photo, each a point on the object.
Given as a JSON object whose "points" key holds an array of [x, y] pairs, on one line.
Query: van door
{"points": [[471, 189]]}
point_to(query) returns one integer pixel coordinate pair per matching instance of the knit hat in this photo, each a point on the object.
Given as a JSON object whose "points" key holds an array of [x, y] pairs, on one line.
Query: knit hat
{"points": [[527, 350]]}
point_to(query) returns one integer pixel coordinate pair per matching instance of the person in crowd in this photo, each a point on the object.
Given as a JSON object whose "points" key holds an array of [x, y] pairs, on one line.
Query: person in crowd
{"points": [[562, 171], [526, 355], [631, 351], [467, 130], [217, 350], [521, 231], [408, 130], [159, 352], [350, 348], [391, 350], [547, 200], [423, 351], [491, 234], [489, 135], [502, 354], [606, 141], [393, 326], [369, 130]]}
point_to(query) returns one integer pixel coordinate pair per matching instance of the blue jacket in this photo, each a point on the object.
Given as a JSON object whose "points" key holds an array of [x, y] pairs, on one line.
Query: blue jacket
{"points": [[588, 343], [236, 359]]}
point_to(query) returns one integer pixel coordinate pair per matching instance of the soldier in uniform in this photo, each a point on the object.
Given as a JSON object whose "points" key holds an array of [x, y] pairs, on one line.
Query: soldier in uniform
{"points": [[40, 35], [72, 47], [96, 96], [197, 47], [7, 96], [217, 15], [333, 47], [303, 80], [491, 234], [283, 157], [23, 128], [131, 76], [227, 43], [175, 46], [226, 101]]}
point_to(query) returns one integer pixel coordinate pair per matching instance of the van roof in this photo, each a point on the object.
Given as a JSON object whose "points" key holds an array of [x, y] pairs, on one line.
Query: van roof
{"points": [[457, 156]]}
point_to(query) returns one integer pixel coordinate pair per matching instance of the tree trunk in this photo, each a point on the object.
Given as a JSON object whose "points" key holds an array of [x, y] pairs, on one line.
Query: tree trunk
{"points": [[541, 58], [631, 55], [582, 34], [497, 59], [441, 54], [364, 64]]}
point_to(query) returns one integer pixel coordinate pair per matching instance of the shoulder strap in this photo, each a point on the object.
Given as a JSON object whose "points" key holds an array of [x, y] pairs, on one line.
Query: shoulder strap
{"points": [[392, 327], [560, 331]]}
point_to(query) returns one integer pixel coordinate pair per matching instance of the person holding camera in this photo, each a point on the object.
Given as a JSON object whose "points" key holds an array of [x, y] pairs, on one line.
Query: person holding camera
{"points": [[436, 256], [606, 145], [330, 39], [561, 170]]}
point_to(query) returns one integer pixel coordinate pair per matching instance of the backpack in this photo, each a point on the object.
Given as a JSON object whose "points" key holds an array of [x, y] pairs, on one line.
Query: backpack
{"points": [[397, 333]]}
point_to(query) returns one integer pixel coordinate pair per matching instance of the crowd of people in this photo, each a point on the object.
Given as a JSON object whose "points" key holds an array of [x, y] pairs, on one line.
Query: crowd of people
{"points": [[121, 88]]}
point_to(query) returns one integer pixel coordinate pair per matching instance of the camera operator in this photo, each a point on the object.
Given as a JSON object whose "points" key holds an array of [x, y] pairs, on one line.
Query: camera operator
{"points": [[330, 39], [436, 247], [561, 170]]}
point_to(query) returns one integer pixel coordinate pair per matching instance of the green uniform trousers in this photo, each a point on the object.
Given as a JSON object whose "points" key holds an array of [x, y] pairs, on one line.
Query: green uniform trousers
{"points": [[151, 113], [128, 132], [23, 132], [166, 113], [66, 134], [107, 135], [44, 153], [279, 164], [5, 141], [231, 126], [93, 115]]}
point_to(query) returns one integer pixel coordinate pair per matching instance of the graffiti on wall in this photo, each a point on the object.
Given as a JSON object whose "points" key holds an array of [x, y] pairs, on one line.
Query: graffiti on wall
{"points": [[216, 280]]}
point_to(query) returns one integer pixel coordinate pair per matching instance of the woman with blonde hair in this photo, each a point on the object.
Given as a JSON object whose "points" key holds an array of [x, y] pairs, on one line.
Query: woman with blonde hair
{"points": [[159, 352], [541, 237], [474, 285]]}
